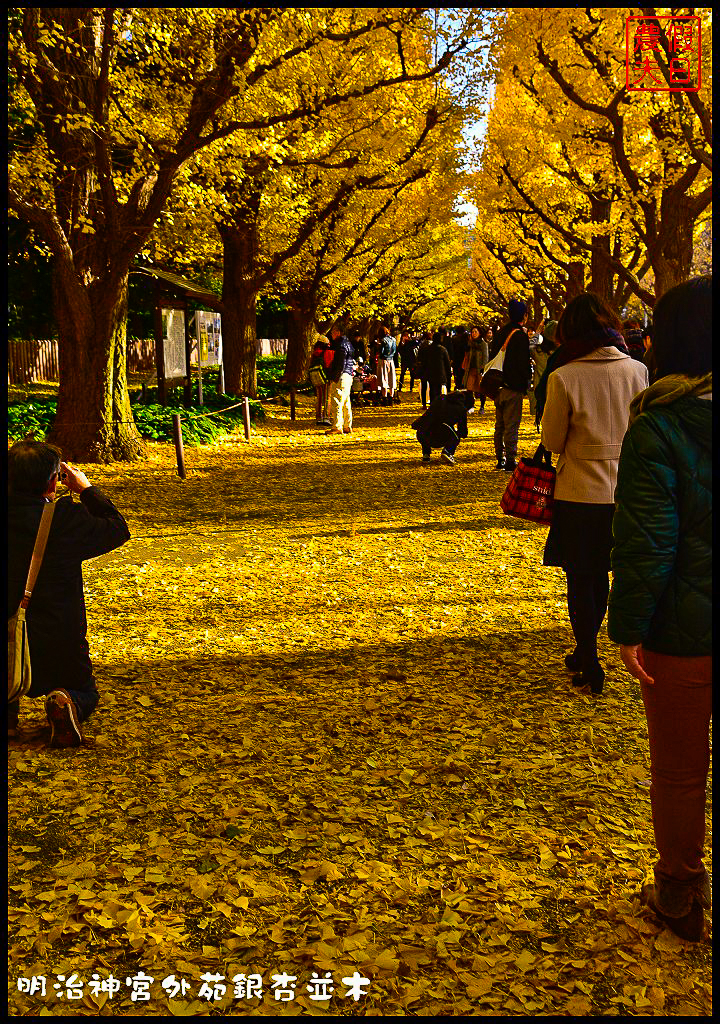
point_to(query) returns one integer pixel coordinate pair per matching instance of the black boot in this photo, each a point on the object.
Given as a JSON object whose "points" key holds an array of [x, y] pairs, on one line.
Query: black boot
{"points": [[572, 661], [593, 678]]}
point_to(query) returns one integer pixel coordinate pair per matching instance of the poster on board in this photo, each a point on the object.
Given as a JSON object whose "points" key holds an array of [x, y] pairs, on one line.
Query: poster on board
{"points": [[208, 327], [173, 335]]}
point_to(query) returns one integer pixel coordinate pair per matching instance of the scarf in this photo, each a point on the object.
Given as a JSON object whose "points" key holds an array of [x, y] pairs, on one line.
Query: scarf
{"points": [[669, 389], [577, 348]]}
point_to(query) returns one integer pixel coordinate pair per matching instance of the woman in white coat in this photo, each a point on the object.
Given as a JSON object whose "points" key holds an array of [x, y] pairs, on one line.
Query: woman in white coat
{"points": [[584, 421]]}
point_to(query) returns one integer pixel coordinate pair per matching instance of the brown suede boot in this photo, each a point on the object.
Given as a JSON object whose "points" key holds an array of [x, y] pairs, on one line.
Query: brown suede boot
{"points": [[682, 912]]}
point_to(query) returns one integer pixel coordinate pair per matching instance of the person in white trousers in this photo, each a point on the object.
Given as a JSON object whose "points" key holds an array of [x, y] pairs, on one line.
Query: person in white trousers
{"points": [[341, 376]]}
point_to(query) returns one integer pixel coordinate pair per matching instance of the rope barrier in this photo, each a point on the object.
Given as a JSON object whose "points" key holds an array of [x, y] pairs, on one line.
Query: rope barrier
{"points": [[218, 412], [188, 417]]}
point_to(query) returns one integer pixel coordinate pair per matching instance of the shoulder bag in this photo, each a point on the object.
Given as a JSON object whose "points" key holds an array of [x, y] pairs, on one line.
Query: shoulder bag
{"points": [[19, 674], [492, 379]]}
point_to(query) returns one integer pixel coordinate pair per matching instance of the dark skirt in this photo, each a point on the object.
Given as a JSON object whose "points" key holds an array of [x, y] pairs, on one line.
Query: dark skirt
{"points": [[580, 537]]}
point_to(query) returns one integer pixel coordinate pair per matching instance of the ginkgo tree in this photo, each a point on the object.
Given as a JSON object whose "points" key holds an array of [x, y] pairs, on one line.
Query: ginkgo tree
{"points": [[619, 179], [356, 261], [108, 104], [319, 186]]}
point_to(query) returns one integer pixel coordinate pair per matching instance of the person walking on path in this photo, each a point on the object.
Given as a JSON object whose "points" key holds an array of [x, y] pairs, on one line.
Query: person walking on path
{"points": [[321, 358], [517, 371], [634, 338], [444, 425], [56, 619], [341, 373], [540, 357], [421, 367], [460, 345], [517, 316], [554, 359], [477, 357], [359, 347], [387, 347], [584, 421], [660, 609], [438, 368], [487, 336], [406, 349]]}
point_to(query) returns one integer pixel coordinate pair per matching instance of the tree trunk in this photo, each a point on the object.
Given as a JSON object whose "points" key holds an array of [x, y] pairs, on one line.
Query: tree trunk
{"points": [[239, 333], [575, 281], [240, 291], [672, 261], [301, 335], [94, 421], [601, 275]]}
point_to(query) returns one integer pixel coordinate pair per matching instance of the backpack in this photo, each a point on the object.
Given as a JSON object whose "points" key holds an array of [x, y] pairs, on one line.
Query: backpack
{"points": [[19, 671]]}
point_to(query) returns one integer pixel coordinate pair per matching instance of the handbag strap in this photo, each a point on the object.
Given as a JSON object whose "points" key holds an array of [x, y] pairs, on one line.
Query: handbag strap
{"points": [[510, 335], [38, 552], [542, 455]]}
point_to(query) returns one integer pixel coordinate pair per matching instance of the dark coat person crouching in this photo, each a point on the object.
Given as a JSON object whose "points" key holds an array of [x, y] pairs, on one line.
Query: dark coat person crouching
{"points": [[444, 424]]}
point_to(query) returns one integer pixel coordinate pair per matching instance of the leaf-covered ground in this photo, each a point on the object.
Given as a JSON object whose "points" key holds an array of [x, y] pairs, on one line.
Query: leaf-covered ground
{"points": [[336, 737]]}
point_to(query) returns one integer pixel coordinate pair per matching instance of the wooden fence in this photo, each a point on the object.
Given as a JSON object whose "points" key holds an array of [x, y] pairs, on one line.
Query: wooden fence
{"points": [[32, 361]]}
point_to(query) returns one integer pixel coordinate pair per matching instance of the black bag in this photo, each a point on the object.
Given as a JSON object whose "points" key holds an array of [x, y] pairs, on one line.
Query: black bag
{"points": [[491, 383]]}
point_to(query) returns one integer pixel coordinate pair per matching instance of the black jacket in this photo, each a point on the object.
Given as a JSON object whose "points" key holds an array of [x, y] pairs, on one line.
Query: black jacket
{"points": [[460, 345], [56, 620], [499, 338], [517, 368], [447, 409], [436, 364]]}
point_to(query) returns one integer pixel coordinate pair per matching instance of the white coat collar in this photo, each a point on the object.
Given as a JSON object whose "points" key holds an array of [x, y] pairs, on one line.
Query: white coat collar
{"points": [[606, 352]]}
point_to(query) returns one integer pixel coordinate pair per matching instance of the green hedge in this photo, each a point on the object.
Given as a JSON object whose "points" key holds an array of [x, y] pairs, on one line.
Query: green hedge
{"points": [[34, 417]]}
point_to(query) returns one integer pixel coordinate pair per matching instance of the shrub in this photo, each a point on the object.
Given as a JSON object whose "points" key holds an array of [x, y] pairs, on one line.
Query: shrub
{"points": [[154, 421]]}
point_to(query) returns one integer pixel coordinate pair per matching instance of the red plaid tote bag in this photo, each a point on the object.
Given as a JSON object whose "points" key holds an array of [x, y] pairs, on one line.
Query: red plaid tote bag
{"points": [[529, 495]]}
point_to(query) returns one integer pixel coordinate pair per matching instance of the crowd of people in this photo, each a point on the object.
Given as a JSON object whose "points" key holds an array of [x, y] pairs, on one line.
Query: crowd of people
{"points": [[628, 414]]}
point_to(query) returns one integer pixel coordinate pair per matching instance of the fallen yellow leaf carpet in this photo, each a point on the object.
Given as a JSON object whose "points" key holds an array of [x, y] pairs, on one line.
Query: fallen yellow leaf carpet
{"points": [[336, 741]]}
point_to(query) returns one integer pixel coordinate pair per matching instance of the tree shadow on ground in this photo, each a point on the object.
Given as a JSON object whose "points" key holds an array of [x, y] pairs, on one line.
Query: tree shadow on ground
{"points": [[482, 524]]}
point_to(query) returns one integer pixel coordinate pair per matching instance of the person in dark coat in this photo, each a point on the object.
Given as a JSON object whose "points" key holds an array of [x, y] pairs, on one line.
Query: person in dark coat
{"points": [[56, 619], [517, 316], [460, 346], [517, 372], [444, 424], [406, 350], [421, 362], [438, 367], [359, 347], [661, 599], [634, 339]]}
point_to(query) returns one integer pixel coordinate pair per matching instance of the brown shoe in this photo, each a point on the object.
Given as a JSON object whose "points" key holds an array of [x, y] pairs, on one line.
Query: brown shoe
{"points": [[347, 430], [333, 431], [689, 926], [62, 715]]}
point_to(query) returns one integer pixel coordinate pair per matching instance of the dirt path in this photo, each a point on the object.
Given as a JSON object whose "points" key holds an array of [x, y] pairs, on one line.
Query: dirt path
{"points": [[336, 737]]}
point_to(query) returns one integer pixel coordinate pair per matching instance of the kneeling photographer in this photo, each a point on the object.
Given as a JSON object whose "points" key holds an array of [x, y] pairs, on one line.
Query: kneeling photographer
{"points": [[61, 669]]}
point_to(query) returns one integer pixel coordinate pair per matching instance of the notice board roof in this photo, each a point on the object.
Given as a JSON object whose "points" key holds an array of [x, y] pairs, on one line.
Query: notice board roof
{"points": [[188, 289]]}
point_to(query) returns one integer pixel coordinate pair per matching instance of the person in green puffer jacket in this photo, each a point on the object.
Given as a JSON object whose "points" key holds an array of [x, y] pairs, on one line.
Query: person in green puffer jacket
{"points": [[660, 602]]}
